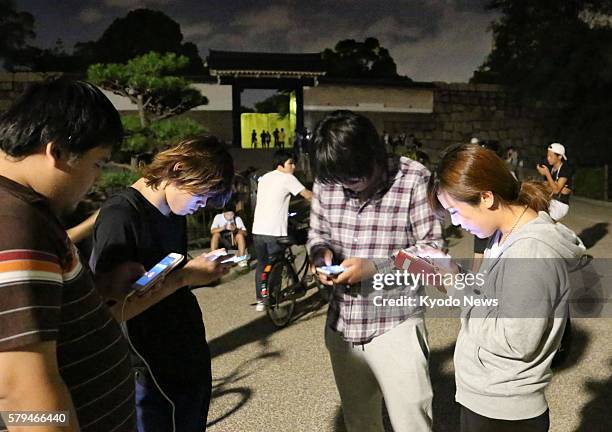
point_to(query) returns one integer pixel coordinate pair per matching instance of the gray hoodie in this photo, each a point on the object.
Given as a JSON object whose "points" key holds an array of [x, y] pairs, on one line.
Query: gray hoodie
{"points": [[504, 351]]}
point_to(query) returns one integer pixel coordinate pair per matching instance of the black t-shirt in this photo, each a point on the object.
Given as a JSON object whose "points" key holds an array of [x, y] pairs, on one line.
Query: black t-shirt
{"points": [[170, 334], [564, 171], [480, 244]]}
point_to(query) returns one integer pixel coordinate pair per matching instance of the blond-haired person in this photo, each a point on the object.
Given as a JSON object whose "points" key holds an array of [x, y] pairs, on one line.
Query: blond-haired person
{"points": [[144, 224]]}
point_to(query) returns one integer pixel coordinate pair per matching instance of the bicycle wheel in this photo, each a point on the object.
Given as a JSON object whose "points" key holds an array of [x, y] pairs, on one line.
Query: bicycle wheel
{"points": [[324, 291], [311, 280], [281, 301]]}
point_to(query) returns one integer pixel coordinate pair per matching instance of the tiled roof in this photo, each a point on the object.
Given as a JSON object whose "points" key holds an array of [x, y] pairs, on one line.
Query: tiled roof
{"points": [[264, 64]]}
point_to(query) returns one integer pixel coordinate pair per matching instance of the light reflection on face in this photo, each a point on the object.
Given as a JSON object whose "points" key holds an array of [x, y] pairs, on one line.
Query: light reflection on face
{"points": [[475, 219], [182, 202]]}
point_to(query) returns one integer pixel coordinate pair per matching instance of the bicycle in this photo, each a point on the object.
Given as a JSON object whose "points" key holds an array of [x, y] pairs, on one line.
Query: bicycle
{"points": [[284, 281]]}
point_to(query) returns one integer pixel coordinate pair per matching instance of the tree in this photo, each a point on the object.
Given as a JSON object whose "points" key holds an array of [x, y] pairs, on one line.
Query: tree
{"points": [[544, 37], [277, 103], [558, 52], [46, 59], [139, 32], [352, 59], [16, 28], [148, 82], [158, 135]]}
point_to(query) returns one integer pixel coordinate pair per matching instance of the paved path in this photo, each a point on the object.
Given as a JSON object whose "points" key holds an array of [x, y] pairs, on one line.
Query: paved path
{"points": [[281, 380]]}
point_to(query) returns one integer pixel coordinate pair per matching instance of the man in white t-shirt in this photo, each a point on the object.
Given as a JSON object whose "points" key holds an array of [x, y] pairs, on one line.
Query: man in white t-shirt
{"points": [[229, 230], [274, 191]]}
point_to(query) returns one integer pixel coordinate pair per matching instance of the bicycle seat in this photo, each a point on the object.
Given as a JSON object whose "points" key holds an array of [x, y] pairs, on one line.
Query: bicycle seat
{"points": [[285, 241]]}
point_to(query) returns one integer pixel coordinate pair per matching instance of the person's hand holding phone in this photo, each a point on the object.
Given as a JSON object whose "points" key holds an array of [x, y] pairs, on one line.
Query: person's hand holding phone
{"points": [[443, 262], [441, 259], [322, 257], [202, 271], [542, 169], [215, 254], [356, 270], [115, 284], [233, 260]]}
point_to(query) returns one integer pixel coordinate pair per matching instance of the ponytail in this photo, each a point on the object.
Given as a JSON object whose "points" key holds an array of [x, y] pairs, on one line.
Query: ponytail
{"points": [[467, 170], [533, 194]]}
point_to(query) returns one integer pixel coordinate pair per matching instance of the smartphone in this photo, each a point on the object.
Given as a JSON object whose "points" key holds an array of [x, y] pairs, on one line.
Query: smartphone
{"points": [[414, 264], [218, 255], [234, 259], [162, 268], [331, 270]]}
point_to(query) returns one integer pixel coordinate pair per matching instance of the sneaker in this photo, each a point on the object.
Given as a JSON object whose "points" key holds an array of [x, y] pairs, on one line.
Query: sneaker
{"points": [[243, 264], [260, 306]]}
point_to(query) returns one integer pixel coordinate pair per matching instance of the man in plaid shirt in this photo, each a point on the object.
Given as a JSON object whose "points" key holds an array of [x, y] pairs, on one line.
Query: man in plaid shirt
{"points": [[365, 207]]}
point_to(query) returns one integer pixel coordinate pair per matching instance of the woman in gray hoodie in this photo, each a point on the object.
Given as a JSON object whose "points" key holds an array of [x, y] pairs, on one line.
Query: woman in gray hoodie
{"points": [[514, 312]]}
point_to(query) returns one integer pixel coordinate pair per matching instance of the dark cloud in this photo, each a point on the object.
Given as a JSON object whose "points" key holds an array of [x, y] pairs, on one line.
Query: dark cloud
{"points": [[471, 5], [430, 40]]}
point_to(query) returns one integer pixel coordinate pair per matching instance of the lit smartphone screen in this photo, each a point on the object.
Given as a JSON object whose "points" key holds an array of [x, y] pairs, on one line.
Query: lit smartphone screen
{"points": [[157, 269]]}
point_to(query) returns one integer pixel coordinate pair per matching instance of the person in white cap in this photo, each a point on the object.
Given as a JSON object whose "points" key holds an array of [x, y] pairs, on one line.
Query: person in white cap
{"points": [[559, 177]]}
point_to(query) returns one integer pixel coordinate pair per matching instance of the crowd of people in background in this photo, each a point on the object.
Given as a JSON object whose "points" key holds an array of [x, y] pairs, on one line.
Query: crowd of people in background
{"points": [[76, 337], [277, 138]]}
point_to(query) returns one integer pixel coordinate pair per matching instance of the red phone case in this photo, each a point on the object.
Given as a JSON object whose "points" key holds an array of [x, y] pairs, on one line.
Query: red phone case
{"points": [[413, 264]]}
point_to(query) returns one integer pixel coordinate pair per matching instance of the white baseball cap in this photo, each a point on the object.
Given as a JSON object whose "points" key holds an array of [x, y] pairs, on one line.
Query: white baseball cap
{"points": [[558, 149]]}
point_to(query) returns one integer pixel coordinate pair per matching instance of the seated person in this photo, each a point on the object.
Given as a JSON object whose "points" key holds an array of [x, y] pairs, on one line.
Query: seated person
{"points": [[228, 229]]}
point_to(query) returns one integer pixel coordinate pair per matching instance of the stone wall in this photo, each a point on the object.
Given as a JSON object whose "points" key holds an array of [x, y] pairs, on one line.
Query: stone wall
{"points": [[400, 98], [217, 123], [462, 111]]}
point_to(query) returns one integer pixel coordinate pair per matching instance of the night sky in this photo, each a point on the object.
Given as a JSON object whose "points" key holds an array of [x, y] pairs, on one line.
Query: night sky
{"points": [[437, 40]]}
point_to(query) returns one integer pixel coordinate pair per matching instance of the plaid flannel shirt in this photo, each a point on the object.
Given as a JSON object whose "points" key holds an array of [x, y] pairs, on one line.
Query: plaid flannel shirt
{"points": [[397, 217]]}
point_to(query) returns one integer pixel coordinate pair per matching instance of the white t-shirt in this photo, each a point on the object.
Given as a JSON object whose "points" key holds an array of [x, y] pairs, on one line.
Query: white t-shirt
{"points": [[273, 193], [220, 222]]}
